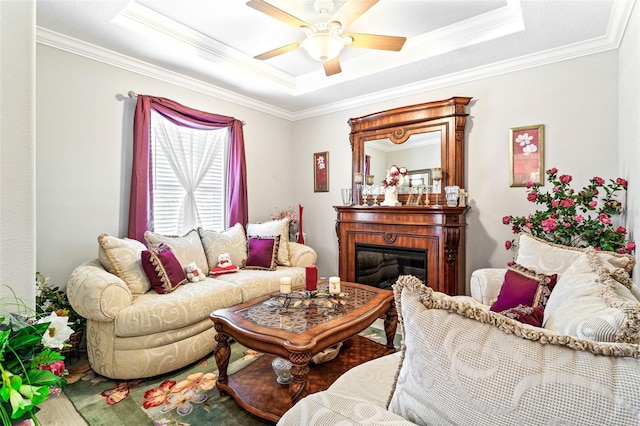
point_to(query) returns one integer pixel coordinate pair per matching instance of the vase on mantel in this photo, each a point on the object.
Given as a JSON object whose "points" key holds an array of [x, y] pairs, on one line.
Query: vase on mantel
{"points": [[390, 197]]}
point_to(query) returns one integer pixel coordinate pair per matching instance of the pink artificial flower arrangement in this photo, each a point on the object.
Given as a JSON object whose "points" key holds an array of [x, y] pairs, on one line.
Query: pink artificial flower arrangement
{"points": [[395, 176], [575, 218]]}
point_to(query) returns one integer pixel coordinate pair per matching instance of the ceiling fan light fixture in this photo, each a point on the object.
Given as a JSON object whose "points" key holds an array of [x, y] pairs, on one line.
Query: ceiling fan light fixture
{"points": [[323, 46]]}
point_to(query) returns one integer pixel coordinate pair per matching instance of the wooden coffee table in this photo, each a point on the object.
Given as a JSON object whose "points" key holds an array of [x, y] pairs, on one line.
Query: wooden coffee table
{"points": [[297, 334]]}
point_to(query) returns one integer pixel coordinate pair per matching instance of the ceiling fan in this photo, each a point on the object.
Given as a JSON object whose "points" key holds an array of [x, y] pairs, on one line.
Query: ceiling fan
{"points": [[325, 39]]}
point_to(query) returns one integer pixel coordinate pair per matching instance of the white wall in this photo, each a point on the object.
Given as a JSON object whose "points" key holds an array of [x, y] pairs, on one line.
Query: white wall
{"points": [[629, 119], [17, 140], [575, 99], [84, 146]]}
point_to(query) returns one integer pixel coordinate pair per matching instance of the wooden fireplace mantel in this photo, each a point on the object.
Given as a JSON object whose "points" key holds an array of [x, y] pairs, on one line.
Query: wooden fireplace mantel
{"points": [[438, 230]]}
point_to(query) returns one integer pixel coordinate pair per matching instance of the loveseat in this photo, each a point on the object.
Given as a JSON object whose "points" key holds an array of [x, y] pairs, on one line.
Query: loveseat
{"points": [[138, 329], [462, 363]]}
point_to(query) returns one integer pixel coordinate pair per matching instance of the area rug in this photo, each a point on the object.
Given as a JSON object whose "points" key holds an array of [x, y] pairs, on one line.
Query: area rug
{"points": [[184, 397]]}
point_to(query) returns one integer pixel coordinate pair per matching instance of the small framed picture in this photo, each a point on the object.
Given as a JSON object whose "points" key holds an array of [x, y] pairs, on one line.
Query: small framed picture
{"points": [[321, 171], [526, 155]]}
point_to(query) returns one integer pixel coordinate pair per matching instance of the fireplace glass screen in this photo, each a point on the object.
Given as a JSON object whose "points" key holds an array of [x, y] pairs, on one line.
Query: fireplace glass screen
{"points": [[380, 266]]}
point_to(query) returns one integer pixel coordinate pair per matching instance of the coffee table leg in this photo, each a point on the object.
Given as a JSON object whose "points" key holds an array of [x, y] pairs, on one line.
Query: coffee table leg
{"points": [[222, 354], [390, 326], [299, 386]]}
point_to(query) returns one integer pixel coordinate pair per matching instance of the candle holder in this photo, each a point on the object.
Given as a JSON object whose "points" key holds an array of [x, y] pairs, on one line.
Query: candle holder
{"points": [[282, 367], [358, 179], [436, 175]]}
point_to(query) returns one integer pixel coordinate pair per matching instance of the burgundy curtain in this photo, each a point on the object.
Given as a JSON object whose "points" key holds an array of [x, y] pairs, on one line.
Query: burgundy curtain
{"points": [[140, 197]]}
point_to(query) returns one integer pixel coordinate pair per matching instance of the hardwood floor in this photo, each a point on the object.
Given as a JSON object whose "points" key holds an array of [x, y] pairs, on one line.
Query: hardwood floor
{"points": [[58, 411]]}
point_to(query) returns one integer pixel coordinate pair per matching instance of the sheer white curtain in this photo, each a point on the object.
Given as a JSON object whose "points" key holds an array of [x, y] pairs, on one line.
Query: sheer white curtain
{"points": [[183, 158]]}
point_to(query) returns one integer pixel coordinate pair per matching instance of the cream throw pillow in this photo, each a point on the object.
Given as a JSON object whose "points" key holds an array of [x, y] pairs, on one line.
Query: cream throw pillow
{"points": [[187, 248], [271, 229], [232, 241], [588, 303], [121, 257], [462, 364], [549, 258]]}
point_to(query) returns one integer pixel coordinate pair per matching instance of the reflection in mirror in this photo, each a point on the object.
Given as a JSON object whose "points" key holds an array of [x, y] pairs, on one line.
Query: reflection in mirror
{"points": [[421, 152]]}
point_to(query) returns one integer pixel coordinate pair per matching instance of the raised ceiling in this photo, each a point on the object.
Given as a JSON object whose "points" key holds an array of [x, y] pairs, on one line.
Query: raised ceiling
{"points": [[209, 45]]}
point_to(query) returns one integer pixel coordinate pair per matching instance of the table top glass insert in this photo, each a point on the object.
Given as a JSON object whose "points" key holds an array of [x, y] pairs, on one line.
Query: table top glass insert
{"points": [[297, 313]]}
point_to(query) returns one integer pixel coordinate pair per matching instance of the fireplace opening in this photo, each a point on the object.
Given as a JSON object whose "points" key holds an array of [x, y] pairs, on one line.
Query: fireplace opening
{"points": [[380, 266]]}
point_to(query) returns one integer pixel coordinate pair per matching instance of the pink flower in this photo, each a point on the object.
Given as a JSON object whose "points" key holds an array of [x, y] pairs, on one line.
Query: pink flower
{"points": [[593, 203], [622, 182], [567, 225], [598, 180], [565, 179], [528, 225], [507, 244], [506, 220], [529, 185], [532, 196], [621, 230], [604, 218], [579, 218], [549, 225], [555, 203], [56, 367], [556, 189], [596, 192], [553, 170], [568, 202], [631, 246]]}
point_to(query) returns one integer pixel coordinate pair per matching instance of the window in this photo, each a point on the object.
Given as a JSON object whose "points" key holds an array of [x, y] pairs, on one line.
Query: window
{"points": [[218, 200], [188, 170]]}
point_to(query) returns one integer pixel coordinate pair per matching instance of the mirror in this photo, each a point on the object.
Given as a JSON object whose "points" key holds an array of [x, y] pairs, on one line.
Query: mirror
{"points": [[419, 137], [419, 154]]}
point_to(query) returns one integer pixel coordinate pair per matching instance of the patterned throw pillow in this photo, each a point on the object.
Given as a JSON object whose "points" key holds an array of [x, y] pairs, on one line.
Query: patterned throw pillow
{"points": [[187, 248], [526, 314], [590, 304], [271, 229], [263, 252], [525, 287], [121, 257], [232, 241], [163, 269]]}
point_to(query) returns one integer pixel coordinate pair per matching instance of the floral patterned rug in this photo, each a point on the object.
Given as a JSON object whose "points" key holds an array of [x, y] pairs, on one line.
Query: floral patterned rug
{"points": [[183, 397]]}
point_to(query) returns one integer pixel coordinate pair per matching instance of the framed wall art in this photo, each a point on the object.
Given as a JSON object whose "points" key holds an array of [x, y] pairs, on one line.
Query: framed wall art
{"points": [[526, 155], [321, 171]]}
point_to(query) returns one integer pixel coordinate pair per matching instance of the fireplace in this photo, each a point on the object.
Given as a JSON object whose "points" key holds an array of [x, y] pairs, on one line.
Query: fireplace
{"points": [[427, 242], [380, 266]]}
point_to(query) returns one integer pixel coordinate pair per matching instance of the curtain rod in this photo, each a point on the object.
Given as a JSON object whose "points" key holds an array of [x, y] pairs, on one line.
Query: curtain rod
{"points": [[133, 94]]}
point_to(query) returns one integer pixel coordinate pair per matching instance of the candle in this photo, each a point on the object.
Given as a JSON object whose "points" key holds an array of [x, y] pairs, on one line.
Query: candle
{"points": [[334, 285], [311, 276], [285, 285]]}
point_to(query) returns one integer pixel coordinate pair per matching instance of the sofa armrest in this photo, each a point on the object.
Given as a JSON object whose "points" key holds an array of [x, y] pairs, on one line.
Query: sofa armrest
{"points": [[485, 284], [330, 408], [97, 294], [301, 255]]}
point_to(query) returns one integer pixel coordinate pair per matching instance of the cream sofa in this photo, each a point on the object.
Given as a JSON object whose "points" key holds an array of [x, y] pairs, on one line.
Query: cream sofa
{"points": [[135, 332], [462, 363]]}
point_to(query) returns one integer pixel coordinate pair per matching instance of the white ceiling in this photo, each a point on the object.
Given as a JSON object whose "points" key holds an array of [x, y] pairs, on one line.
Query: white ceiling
{"points": [[209, 45]]}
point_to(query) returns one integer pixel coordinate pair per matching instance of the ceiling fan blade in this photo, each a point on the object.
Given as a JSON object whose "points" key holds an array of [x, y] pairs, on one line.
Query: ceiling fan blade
{"points": [[332, 67], [279, 14], [375, 41], [278, 51], [352, 10]]}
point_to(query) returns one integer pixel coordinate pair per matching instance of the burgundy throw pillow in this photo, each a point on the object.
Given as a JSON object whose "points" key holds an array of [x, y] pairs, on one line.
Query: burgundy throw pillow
{"points": [[523, 286], [263, 253], [163, 269], [526, 314]]}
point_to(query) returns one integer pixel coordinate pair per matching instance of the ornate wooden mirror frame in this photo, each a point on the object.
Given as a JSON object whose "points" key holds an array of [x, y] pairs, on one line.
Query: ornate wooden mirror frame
{"points": [[447, 116]]}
